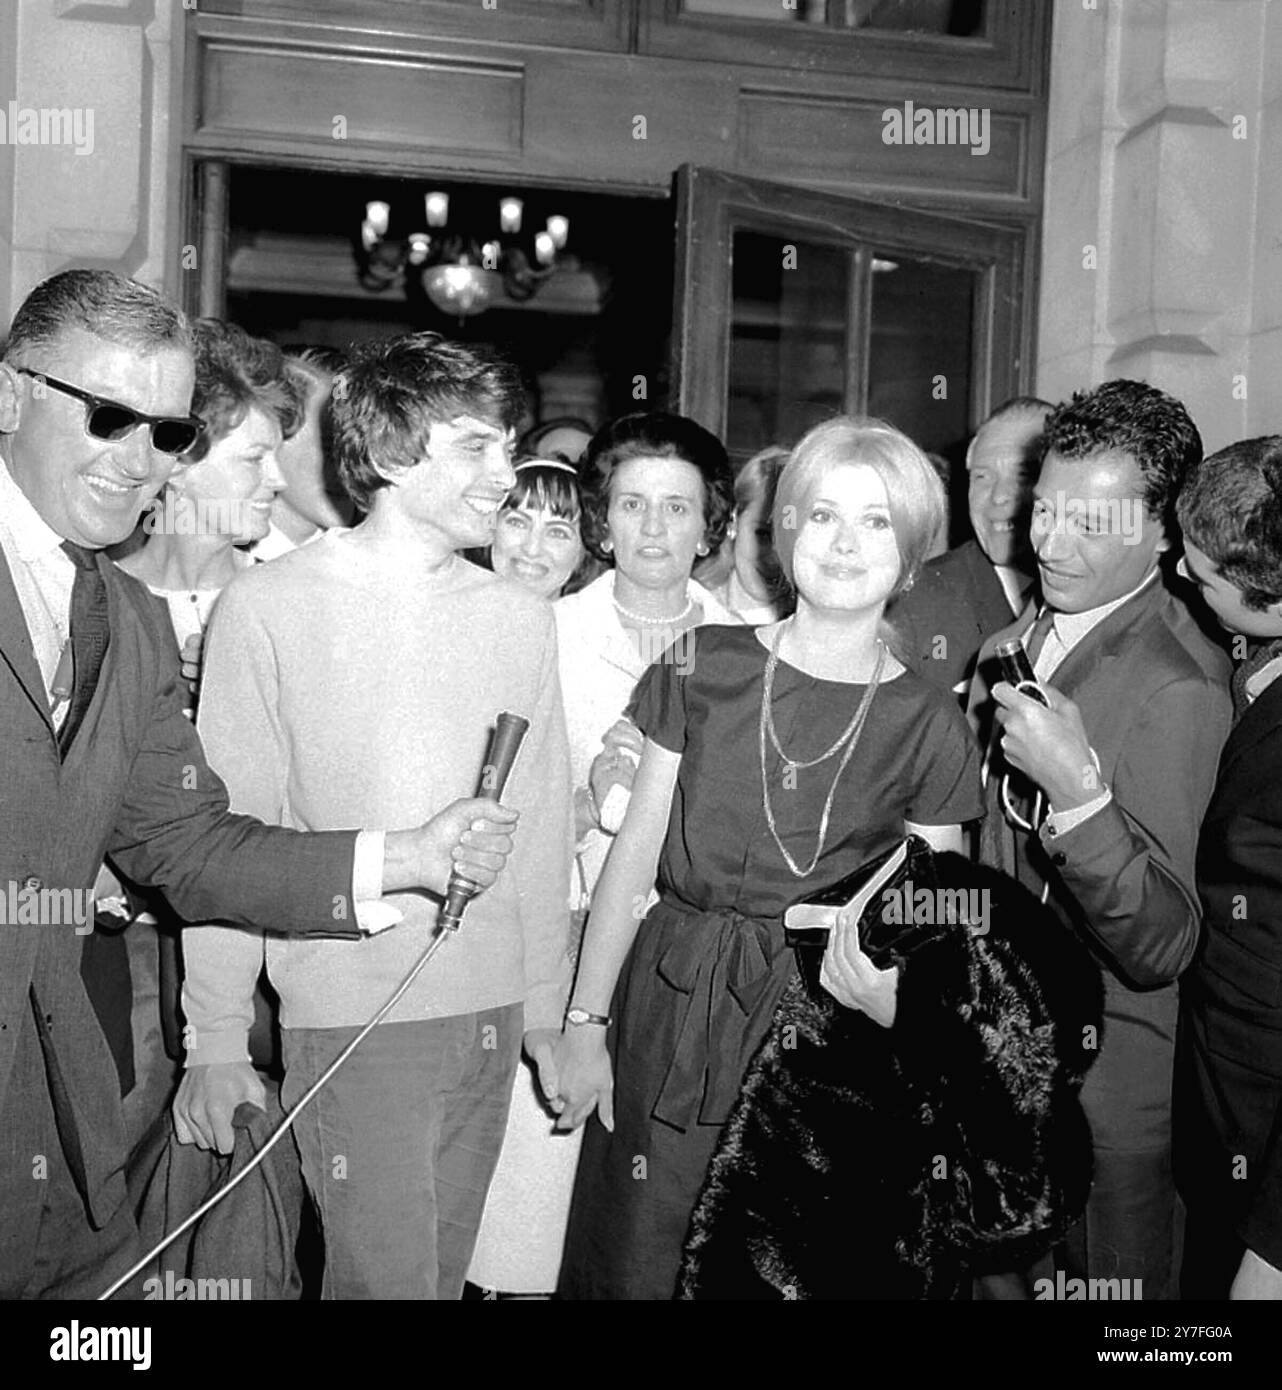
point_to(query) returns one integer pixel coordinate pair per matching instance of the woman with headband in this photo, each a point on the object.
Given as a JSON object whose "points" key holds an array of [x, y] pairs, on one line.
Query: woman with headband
{"points": [[538, 544], [538, 541]]}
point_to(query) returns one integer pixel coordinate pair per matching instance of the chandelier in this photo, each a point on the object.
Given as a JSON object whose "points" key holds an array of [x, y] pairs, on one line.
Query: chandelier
{"points": [[459, 273]]}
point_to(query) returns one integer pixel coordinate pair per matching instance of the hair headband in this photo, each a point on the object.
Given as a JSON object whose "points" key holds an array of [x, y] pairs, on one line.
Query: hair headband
{"points": [[547, 463]]}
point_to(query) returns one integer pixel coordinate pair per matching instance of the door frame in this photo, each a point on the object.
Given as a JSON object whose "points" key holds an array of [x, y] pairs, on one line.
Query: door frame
{"points": [[712, 205]]}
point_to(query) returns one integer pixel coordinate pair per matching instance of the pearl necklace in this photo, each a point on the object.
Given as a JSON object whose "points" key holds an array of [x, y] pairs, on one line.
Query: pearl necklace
{"points": [[642, 618], [849, 738]]}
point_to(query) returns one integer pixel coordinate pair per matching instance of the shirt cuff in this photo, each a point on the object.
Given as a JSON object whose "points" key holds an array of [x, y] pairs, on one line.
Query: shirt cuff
{"points": [[211, 1049], [1061, 822], [372, 913]]}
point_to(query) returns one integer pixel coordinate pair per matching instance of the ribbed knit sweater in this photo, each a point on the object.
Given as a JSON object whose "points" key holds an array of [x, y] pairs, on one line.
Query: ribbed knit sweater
{"points": [[338, 692]]}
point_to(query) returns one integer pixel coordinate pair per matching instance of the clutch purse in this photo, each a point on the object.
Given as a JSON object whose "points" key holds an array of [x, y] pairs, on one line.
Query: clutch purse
{"points": [[898, 901]]}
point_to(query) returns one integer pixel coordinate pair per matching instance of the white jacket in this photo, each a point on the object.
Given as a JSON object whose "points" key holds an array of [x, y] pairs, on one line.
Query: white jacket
{"points": [[600, 667]]}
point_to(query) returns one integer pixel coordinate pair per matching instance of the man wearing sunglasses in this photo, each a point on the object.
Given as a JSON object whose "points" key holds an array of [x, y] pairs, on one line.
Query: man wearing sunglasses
{"points": [[97, 759]]}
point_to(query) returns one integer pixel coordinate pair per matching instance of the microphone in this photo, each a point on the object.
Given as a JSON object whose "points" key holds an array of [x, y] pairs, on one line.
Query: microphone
{"points": [[505, 743], [1017, 670]]}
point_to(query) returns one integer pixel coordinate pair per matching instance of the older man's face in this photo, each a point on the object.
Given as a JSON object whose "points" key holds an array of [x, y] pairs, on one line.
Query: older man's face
{"points": [[1002, 467], [91, 491]]}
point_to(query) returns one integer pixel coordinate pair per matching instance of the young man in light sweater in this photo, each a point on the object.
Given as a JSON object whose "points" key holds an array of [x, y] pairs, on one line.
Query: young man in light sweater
{"points": [[361, 675]]}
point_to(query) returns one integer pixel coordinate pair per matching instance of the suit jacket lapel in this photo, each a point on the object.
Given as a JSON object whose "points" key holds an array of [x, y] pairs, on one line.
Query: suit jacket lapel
{"points": [[1262, 719], [986, 585], [15, 644], [1107, 640]]}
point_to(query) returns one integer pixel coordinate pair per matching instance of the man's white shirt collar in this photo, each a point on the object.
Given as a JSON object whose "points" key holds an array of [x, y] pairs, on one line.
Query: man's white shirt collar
{"points": [[1257, 684], [32, 536], [1071, 628], [1014, 584]]}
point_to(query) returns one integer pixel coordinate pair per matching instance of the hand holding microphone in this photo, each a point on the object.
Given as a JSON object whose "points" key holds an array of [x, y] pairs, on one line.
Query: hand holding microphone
{"points": [[1048, 745], [462, 849], [1017, 670], [464, 884]]}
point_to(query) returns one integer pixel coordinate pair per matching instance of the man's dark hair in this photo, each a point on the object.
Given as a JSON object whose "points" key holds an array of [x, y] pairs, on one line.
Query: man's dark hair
{"points": [[1230, 507], [236, 373], [327, 360], [655, 434], [312, 370], [1130, 417], [101, 302], [391, 393]]}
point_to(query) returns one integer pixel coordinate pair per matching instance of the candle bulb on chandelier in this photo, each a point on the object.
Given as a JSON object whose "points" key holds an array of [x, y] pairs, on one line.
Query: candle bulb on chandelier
{"points": [[378, 216], [559, 231], [437, 208], [544, 248], [510, 214]]}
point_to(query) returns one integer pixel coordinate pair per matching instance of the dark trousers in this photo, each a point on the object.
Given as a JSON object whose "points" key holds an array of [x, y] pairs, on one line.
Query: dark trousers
{"points": [[1212, 1254], [1131, 1229], [399, 1147], [48, 1246], [1133, 1225]]}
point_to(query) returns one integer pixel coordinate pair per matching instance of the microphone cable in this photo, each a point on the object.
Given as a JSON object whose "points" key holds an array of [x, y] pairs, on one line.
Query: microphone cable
{"points": [[509, 730]]}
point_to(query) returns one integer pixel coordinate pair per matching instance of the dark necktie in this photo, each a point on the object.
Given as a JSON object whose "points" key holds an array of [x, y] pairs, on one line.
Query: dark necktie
{"points": [[997, 837], [90, 634], [1037, 637]]}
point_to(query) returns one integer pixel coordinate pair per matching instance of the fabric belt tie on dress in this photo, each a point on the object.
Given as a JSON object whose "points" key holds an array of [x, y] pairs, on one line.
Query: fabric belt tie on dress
{"points": [[730, 1002]]}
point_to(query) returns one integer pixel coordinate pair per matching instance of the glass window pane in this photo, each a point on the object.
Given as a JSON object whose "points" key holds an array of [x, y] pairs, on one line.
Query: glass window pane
{"points": [[956, 18], [787, 339], [919, 366]]}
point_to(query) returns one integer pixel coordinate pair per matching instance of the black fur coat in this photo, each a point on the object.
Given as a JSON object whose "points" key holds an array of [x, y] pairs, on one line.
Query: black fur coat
{"points": [[864, 1162]]}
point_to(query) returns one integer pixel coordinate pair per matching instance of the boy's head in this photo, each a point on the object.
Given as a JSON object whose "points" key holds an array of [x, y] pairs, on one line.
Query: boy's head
{"points": [[394, 396], [1230, 510]]}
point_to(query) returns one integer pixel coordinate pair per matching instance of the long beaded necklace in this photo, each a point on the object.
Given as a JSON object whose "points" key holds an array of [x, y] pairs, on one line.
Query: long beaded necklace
{"points": [[849, 738]]}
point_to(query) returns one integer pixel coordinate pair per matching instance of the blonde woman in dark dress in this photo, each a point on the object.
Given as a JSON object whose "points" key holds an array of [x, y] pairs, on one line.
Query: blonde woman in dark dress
{"points": [[776, 762]]}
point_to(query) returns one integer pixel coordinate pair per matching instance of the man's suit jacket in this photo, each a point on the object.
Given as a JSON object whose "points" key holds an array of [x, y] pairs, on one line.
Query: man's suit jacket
{"points": [[957, 598], [1153, 694], [134, 785], [1229, 1074]]}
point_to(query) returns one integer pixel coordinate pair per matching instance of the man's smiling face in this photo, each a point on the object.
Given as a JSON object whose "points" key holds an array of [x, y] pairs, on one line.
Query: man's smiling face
{"points": [[453, 495], [88, 490]]}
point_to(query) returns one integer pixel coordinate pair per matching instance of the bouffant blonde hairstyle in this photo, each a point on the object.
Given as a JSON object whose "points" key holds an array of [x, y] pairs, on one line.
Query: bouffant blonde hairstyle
{"points": [[913, 489]]}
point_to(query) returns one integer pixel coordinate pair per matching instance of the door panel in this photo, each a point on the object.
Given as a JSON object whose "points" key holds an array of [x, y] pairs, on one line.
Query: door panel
{"points": [[792, 305]]}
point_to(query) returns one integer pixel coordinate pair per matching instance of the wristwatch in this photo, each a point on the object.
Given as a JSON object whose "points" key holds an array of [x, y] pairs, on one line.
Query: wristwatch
{"points": [[578, 1017]]}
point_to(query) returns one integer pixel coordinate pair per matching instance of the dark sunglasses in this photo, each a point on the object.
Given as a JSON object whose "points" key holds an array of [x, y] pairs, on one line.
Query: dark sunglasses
{"points": [[107, 419]]}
